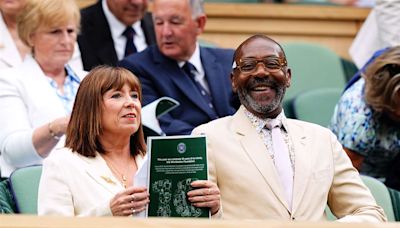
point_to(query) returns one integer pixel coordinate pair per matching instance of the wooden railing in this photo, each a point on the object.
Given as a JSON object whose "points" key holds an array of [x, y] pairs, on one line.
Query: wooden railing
{"points": [[25, 221], [229, 24]]}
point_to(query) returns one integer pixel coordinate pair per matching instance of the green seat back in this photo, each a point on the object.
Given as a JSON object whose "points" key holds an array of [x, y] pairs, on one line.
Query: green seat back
{"points": [[395, 197], [316, 105], [24, 186], [313, 66], [381, 194]]}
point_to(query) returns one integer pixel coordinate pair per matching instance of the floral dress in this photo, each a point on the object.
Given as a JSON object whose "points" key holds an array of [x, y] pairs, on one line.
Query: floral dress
{"points": [[365, 132]]}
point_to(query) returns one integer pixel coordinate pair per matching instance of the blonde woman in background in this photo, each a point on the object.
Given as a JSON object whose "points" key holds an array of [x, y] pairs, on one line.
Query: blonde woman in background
{"points": [[37, 96]]}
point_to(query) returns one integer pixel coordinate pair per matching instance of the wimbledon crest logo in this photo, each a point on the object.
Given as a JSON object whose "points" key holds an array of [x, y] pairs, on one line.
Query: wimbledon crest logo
{"points": [[181, 148]]}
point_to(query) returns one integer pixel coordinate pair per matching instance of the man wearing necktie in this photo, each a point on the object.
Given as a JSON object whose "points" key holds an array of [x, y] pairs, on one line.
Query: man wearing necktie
{"points": [[270, 167], [113, 29], [178, 67]]}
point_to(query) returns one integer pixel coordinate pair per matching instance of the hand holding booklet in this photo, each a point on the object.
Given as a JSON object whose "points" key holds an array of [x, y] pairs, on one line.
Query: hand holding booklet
{"points": [[173, 162]]}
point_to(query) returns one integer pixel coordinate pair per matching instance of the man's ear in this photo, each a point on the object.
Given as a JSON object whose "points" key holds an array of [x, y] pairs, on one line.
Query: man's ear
{"points": [[289, 77], [201, 23], [233, 82]]}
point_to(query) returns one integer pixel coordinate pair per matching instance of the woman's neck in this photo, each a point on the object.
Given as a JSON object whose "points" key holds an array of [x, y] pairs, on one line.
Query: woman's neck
{"points": [[116, 146]]}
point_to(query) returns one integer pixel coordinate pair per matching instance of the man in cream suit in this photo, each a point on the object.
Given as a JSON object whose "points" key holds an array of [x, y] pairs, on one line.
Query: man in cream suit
{"points": [[243, 154]]}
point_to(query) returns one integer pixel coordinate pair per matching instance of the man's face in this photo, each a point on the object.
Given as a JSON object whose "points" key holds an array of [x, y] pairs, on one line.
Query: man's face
{"points": [[261, 77], [128, 11], [175, 29]]}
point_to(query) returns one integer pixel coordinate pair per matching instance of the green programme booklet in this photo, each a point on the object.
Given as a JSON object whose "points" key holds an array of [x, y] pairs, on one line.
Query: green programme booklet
{"points": [[174, 162]]}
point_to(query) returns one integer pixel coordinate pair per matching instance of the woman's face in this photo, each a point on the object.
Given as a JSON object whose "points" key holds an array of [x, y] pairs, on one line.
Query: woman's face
{"points": [[11, 7], [121, 111], [54, 46]]}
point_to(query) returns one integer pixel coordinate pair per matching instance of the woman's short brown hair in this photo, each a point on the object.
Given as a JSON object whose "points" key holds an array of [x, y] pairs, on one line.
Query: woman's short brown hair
{"points": [[45, 13], [85, 126], [382, 81]]}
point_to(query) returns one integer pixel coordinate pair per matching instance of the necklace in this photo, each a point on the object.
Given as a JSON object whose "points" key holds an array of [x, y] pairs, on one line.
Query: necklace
{"points": [[123, 179]]}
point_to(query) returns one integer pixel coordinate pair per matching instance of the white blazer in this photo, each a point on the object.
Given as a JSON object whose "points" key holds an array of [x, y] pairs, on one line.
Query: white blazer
{"points": [[380, 30], [27, 101], [10, 57], [75, 185]]}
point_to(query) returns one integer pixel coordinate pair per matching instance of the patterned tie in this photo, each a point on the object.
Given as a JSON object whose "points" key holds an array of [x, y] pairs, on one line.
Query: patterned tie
{"points": [[281, 158], [130, 48], [190, 70]]}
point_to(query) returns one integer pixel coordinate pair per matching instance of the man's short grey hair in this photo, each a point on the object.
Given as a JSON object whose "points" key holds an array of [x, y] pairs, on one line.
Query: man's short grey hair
{"points": [[197, 7]]}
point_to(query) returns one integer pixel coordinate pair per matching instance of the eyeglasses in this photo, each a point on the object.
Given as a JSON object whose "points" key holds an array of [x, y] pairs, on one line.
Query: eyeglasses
{"points": [[271, 64]]}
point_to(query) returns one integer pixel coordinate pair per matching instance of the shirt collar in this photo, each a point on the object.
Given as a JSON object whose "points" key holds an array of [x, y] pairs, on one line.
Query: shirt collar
{"points": [[70, 76], [195, 59], [259, 123], [116, 26]]}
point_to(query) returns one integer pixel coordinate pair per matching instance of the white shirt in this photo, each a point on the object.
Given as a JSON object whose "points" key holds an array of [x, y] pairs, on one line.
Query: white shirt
{"points": [[200, 74], [117, 28]]}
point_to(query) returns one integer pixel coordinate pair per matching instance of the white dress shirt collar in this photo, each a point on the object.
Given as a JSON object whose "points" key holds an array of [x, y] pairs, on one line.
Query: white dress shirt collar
{"points": [[195, 59], [117, 28]]}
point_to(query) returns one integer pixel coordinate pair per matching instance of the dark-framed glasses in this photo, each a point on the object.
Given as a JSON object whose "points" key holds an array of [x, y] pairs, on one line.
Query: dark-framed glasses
{"points": [[271, 64]]}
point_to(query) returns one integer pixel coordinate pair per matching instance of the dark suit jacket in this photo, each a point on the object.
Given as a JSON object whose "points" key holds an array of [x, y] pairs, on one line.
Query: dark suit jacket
{"points": [[161, 76], [95, 40]]}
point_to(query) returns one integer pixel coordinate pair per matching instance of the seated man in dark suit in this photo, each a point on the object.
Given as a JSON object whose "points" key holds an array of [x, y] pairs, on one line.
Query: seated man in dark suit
{"points": [[177, 67], [112, 29]]}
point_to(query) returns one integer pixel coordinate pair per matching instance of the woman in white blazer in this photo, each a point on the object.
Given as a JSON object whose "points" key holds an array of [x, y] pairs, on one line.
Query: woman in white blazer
{"points": [[94, 174], [37, 96]]}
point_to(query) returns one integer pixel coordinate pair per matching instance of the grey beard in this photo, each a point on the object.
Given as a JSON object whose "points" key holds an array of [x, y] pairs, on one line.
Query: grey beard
{"points": [[248, 101]]}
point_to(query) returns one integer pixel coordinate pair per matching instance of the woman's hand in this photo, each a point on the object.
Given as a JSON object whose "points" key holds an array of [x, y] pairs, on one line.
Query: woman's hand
{"points": [[206, 194], [130, 201], [44, 138]]}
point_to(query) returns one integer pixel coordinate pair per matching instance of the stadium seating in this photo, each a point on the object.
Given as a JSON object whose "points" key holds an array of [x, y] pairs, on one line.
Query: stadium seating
{"points": [[24, 187]]}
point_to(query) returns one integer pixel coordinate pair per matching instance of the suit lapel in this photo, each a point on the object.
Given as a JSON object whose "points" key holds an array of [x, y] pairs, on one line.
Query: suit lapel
{"points": [[257, 152], [214, 72], [45, 101], [101, 38], [98, 170], [148, 29], [171, 70], [303, 161]]}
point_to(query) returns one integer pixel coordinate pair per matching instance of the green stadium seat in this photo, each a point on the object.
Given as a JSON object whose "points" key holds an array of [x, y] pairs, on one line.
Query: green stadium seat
{"points": [[24, 187], [316, 105], [381, 195], [313, 66]]}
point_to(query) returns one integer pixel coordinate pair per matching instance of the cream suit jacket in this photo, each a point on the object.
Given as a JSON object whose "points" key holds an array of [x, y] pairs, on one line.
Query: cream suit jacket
{"points": [[75, 185], [241, 166], [27, 101]]}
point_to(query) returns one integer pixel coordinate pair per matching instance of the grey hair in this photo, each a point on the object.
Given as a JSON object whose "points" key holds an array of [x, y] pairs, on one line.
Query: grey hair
{"points": [[197, 7]]}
